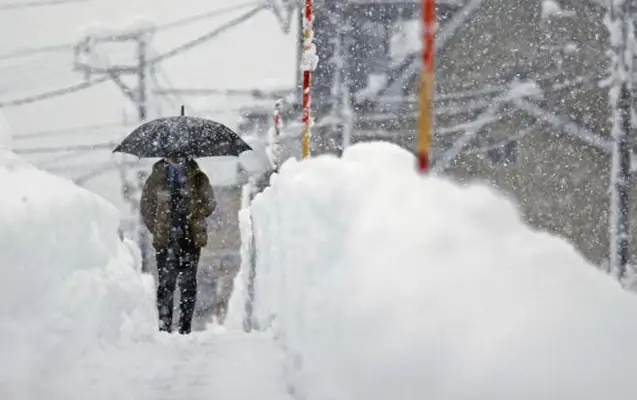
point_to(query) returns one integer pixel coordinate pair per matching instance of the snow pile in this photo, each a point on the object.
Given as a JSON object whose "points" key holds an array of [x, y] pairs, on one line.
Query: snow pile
{"points": [[237, 317], [68, 283], [381, 284]]}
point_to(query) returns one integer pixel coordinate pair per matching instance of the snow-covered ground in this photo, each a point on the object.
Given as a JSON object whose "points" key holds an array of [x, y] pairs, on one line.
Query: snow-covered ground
{"points": [[377, 284], [205, 365], [380, 284]]}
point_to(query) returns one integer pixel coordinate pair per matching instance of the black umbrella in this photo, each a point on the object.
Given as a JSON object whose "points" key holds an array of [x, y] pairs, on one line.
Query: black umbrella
{"points": [[182, 135]]}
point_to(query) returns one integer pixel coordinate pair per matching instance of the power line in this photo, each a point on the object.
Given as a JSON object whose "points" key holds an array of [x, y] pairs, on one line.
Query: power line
{"points": [[223, 92], [156, 83], [66, 131], [49, 163], [54, 93], [101, 170], [209, 35], [30, 4], [35, 68], [37, 50], [40, 51], [169, 25], [205, 15], [84, 168], [79, 147], [170, 101], [26, 81], [156, 60]]}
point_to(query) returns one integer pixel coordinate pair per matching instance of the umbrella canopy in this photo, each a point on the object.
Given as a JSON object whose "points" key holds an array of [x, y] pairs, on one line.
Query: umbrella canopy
{"points": [[182, 135]]}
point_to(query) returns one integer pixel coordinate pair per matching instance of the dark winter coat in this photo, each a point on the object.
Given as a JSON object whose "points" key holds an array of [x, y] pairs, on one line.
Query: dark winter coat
{"points": [[155, 205]]}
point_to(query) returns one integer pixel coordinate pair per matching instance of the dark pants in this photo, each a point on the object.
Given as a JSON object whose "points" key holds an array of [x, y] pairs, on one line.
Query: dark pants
{"points": [[182, 264]]}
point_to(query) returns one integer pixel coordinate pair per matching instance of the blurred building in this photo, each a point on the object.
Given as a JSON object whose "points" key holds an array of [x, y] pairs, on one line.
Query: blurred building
{"points": [[518, 95]]}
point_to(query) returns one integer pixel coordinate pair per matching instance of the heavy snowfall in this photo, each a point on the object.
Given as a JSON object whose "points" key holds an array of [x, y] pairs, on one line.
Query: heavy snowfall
{"points": [[344, 275], [448, 296]]}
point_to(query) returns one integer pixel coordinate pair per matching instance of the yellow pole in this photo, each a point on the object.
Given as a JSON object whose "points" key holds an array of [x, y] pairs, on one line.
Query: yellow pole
{"points": [[424, 123]]}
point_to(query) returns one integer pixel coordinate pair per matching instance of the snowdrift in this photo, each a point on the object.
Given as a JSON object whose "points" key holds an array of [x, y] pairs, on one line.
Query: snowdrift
{"points": [[381, 284], [68, 281]]}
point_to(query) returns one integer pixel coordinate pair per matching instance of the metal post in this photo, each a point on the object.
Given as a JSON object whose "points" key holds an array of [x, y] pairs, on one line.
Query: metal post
{"points": [[142, 107], [620, 198], [308, 48], [142, 64], [346, 110], [622, 35]]}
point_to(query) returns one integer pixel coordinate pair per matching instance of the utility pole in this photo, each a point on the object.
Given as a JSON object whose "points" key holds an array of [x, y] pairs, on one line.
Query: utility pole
{"points": [[141, 78], [341, 113], [142, 109], [85, 59], [620, 24], [346, 112]]}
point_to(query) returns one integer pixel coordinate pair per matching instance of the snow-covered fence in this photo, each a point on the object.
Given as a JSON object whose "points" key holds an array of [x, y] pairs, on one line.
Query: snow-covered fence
{"points": [[246, 278], [255, 185]]}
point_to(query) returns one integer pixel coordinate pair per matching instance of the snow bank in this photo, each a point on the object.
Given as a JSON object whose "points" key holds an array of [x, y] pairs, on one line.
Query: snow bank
{"points": [[381, 284], [68, 281], [238, 317]]}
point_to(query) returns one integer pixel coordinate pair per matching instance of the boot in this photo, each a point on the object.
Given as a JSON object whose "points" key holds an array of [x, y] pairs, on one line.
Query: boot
{"points": [[185, 328], [165, 318]]}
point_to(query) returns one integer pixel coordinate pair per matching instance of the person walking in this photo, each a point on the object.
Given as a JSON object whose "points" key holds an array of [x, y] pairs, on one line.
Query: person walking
{"points": [[176, 200]]}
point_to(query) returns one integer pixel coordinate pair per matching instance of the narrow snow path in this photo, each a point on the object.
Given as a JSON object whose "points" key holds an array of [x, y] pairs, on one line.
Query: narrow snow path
{"points": [[203, 365]]}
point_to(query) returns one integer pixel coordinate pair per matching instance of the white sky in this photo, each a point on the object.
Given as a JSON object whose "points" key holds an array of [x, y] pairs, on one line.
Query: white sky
{"points": [[254, 54]]}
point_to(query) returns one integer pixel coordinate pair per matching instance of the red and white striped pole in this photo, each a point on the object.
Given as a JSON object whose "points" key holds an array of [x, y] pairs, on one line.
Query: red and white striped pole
{"points": [[309, 61], [277, 118], [426, 85], [273, 139]]}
